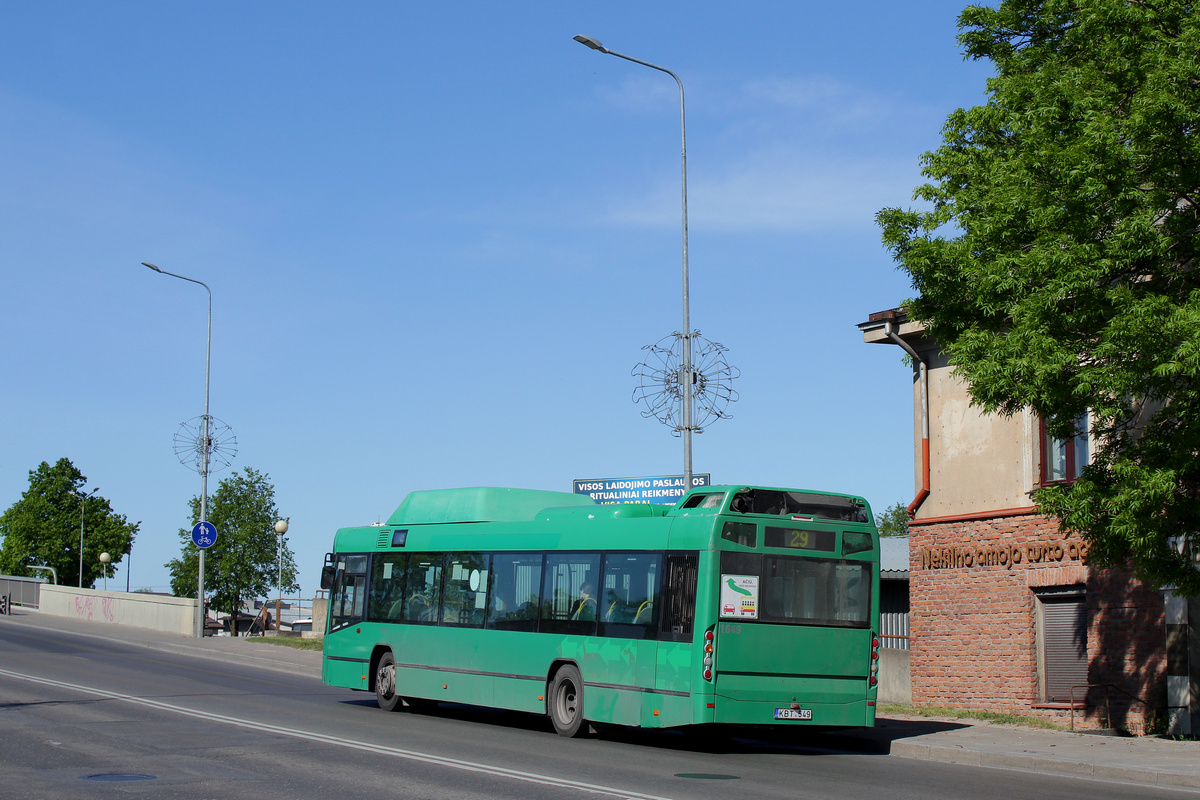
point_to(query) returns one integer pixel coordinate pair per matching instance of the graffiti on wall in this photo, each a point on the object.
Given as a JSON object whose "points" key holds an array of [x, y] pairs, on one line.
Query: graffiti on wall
{"points": [[88, 608]]}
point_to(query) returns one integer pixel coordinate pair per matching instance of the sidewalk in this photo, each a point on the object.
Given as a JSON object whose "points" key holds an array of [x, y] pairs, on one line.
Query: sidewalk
{"points": [[1142, 760]]}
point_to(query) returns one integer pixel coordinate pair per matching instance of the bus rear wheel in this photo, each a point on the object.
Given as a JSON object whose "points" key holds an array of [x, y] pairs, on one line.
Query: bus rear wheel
{"points": [[385, 684], [566, 702]]}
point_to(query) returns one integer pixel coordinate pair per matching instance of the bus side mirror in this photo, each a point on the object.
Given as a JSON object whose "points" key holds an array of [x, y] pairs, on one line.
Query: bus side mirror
{"points": [[327, 577]]}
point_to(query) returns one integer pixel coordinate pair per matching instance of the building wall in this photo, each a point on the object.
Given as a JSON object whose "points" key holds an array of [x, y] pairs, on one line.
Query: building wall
{"points": [[975, 633], [977, 461], [986, 573]]}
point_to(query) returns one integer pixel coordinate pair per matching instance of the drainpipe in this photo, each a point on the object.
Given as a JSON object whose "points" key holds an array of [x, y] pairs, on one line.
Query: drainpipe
{"points": [[923, 379]]}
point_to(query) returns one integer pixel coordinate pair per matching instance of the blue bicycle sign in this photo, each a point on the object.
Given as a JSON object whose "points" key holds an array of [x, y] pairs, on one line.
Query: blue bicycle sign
{"points": [[204, 535]]}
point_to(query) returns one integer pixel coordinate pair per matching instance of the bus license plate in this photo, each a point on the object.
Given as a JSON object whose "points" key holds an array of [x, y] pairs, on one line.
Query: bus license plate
{"points": [[793, 713]]}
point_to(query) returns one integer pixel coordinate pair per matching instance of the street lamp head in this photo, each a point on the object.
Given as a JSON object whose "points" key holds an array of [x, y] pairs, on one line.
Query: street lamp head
{"points": [[588, 41], [105, 558], [281, 527], [151, 266]]}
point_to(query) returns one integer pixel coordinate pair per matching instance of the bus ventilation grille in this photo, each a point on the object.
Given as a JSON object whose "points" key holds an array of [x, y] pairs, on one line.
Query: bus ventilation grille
{"points": [[385, 539]]}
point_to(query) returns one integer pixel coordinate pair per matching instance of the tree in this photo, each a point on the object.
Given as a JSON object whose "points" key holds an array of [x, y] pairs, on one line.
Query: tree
{"points": [[42, 528], [893, 521], [1055, 261], [244, 563]]}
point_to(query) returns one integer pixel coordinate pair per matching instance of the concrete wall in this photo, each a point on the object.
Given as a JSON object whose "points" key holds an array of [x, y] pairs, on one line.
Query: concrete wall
{"points": [[157, 612], [895, 682], [320, 616]]}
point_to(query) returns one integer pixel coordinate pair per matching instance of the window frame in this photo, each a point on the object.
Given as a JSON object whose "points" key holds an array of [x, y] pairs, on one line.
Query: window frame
{"points": [[1047, 444]]}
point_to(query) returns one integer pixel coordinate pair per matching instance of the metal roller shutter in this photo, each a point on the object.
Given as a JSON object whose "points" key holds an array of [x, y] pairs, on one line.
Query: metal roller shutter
{"points": [[1065, 647]]}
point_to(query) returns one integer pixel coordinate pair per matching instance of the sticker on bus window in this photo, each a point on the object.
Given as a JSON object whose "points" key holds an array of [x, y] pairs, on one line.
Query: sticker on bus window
{"points": [[739, 596]]}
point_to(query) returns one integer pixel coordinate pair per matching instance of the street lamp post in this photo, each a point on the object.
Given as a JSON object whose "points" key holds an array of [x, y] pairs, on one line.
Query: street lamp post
{"points": [[105, 558], [686, 373], [83, 498], [205, 447], [281, 527]]}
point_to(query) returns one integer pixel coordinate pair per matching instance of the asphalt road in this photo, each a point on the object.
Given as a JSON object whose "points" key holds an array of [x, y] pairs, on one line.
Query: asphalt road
{"points": [[87, 717]]}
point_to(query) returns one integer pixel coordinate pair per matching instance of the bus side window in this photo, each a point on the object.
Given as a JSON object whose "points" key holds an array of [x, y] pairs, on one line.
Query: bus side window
{"points": [[387, 587], [629, 601], [569, 599], [348, 599], [516, 592], [465, 596], [423, 587]]}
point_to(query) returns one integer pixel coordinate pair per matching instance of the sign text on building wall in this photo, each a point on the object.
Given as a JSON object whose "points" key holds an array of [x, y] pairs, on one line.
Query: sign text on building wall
{"points": [[1005, 555]]}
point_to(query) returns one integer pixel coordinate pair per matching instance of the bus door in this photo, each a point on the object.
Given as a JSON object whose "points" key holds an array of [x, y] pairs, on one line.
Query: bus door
{"points": [[347, 612]]}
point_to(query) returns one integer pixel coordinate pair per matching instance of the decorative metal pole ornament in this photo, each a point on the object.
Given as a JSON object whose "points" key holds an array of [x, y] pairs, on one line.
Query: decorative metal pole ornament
{"points": [[190, 442], [661, 383], [687, 375]]}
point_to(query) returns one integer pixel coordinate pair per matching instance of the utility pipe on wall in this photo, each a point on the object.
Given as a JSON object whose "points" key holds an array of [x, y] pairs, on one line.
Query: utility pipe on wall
{"points": [[923, 381]]}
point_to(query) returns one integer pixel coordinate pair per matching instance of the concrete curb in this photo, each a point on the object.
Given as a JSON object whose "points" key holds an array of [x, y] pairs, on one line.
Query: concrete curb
{"points": [[1079, 769]]}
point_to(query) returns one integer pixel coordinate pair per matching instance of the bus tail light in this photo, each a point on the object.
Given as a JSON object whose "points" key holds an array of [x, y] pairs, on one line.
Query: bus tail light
{"points": [[709, 652], [874, 679]]}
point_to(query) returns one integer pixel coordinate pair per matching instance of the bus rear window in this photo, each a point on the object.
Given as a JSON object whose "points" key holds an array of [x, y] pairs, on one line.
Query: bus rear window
{"points": [[811, 591], [795, 590]]}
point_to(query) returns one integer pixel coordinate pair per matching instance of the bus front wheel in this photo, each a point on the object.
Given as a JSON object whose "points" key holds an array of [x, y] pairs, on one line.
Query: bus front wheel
{"points": [[385, 684], [566, 701]]}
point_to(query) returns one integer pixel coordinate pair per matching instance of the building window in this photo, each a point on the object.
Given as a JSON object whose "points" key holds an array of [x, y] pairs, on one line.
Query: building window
{"points": [[1062, 644], [1063, 460]]}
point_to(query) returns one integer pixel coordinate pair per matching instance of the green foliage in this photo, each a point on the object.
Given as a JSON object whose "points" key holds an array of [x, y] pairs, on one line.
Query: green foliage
{"points": [[42, 528], [317, 643], [893, 521], [1055, 258], [244, 563]]}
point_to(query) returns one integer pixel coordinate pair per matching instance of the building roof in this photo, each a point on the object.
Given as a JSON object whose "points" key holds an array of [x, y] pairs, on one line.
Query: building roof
{"points": [[893, 558]]}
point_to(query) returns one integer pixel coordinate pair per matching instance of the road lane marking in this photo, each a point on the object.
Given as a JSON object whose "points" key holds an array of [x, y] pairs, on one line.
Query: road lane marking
{"points": [[411, 755]]}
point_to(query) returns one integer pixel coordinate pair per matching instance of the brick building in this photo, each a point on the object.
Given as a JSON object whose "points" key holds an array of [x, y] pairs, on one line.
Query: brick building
{"points": [[1006, 613]]}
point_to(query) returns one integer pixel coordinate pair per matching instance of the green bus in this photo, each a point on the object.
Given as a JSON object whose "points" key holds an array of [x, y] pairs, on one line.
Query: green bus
{"points": [[739, 605]]}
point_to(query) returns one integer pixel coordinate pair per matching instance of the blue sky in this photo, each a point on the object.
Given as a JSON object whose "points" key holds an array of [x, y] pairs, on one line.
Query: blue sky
{"points": [[438, 236]]}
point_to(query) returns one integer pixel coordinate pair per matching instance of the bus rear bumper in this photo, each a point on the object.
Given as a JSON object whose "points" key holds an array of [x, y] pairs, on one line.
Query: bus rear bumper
{"points": [[799, 714]]}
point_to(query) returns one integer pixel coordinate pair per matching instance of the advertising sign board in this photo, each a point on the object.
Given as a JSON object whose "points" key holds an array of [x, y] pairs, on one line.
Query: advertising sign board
{"points": [[660, 490]]}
